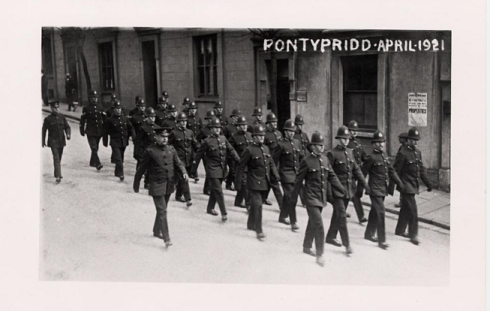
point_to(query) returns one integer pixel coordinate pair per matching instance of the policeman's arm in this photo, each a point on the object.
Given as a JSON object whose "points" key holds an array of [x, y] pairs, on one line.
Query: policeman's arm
{"points": [[356, 171], [194, 142], [366, 165], [67, 129], [82, 123], [423, 174], [275, 172], [131, 131], [399, 162], [298, 182], [171, 138], [44, 130], [231, 150], [334, 180], [394, 176], [242, 164], [197, 158], [141, 170], [178, 165], [105, 134]]}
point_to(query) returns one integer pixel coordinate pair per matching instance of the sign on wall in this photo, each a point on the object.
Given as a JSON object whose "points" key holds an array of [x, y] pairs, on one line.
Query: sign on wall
{"points": [[417, 109]]}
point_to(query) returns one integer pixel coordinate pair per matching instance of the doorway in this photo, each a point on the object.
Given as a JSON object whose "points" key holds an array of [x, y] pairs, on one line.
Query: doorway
{"points": [[149, 73], [283, 102], [71, 65]]}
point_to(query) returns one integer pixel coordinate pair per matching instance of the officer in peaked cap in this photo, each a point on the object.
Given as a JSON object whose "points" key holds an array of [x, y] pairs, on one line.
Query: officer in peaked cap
{"points": [[411, 170], [160, 162], [344, 165], [92, 124], [380, 171], [215, 147], [315, 170], [118, 128], [261, 173], [272, 139], [359, 156], [186, 145], [228, 131], [218, 112], [290, 157], [56, 126], [240, 141]]}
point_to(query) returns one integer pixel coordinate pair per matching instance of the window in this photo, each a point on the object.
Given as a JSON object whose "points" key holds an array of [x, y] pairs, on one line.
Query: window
{"points": [[207, 71], [107, 66], [361, 90]]}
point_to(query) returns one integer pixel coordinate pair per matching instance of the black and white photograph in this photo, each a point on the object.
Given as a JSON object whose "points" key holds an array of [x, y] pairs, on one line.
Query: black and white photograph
{"points": [[166, 144], [232, 155]]}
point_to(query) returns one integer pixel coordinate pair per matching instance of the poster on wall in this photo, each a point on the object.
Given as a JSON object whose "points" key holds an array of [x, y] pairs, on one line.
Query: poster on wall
{"points": [[417, 109]]}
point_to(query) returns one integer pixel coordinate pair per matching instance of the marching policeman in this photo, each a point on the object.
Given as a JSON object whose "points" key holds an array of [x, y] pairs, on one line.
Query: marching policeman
{"points": [[185, 143], [315, 170], [137, 120], [170, 121], [380, 171], [119, 129], [161, 111], [409, 166], [228, 131], [56, 126], [70, 91], [160, 162], [186, 103], [261, 174], [240, 141], [359, 155], [289, 160], [146, 136], [218, 112], [215, 148], [344, 165], [137, 99], [402, 139], [302, 137], [272, 139], [92, 124], [110, 111], [204, 133], [257, 115], [194, 123]]}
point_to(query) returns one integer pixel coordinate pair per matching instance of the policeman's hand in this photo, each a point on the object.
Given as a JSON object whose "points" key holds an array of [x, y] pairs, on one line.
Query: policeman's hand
{"points": [[359, 193], [186, 177], [44, 144], [368, 190], [330, 199], [68, 137], [82, 132], [136, 188], [401, 187], [429, 189]]}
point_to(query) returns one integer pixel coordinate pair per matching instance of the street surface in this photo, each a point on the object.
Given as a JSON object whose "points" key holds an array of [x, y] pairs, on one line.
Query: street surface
{"points": [[95, 228]]}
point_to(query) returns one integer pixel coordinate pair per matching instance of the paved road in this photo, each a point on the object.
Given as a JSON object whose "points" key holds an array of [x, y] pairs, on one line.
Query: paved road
{"points": [[95, 228]]}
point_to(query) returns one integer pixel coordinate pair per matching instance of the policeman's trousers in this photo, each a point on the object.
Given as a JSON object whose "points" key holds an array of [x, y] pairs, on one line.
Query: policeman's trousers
{"points": [[339, 221], [357, 201], [376, 219], [231, 172], [161, 225], [254, 221], [216, 195], [408, 214], [243, 192], [118, 158], [57, 154], [314, 229], [277, 193], [183, 187], [93, 142], [288, 209]]}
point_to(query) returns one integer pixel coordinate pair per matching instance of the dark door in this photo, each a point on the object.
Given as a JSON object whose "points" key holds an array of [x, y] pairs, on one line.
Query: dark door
{"points": [[283, 103], [150, 73], [71, 65]]}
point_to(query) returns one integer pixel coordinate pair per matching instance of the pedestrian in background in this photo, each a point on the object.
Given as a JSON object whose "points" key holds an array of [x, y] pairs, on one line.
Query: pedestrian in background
{"points": [[70, 92], [56, 126]]}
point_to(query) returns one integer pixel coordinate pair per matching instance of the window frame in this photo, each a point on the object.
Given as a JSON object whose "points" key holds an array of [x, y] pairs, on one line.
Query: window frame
{"points": [[213, 68]]}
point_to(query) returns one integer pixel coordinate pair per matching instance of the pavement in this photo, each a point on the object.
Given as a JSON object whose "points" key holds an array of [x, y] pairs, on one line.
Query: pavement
{"points": [[433, 207]]}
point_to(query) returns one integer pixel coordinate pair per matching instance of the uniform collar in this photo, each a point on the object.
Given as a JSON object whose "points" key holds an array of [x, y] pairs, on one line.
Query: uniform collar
{"points": [[341, 147], [377, 150]]}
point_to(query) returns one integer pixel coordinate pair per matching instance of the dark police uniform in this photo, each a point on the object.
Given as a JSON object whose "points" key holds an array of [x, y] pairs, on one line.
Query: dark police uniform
{"points": [[240, 141], [259, 122], [344, 165], [289, 160], [170, 123], [380, 172], [161, 114], [194, 123], [119, 128], [215, 148], [318, 175], [302, 137], [410, 168], [228, 132], [56, 126], [137, 120], [222, 119], [185, 144], [160, 164], [261, 173], [272, 139], [204, 133], [359, 155], [92, 124]]}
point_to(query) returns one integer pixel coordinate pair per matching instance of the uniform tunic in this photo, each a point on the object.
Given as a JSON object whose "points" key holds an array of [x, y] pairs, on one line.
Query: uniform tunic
{"points": [[56, 126], [92, 124], [240, 141], [119, 128]]}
